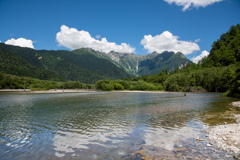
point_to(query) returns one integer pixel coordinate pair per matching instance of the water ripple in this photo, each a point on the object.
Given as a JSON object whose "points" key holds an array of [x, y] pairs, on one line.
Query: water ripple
{"points": [[104, 125]]}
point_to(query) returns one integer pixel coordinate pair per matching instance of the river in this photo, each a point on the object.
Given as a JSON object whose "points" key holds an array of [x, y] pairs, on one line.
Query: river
{"points": [[109, 125]]}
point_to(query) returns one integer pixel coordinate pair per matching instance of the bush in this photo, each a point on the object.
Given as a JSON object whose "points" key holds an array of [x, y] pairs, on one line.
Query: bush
{"points": [[125, 84], [105, 85], [118, 86]]}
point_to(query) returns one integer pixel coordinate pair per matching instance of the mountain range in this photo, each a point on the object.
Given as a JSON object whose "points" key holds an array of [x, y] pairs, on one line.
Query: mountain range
{"points": [[149, 64], [85, 64]]}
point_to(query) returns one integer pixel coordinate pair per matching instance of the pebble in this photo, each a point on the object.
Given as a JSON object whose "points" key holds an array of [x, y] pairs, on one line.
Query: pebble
{"points": [[180, 149], [224, 138], [209, 145], [237, 156], [220, 135], [198, 139]]}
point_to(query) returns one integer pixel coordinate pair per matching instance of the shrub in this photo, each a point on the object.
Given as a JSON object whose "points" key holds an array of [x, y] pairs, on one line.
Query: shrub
{"points": [[118, 86]]}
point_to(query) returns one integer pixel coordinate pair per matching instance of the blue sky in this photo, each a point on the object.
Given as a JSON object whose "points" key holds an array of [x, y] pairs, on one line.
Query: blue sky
{"points": [[139, 26]]}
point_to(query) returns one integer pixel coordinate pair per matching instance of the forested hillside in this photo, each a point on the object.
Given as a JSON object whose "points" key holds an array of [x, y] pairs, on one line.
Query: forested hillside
{"points": [[16, 65], [219, 72], [226, 50], [165, 60], [78, 65]]}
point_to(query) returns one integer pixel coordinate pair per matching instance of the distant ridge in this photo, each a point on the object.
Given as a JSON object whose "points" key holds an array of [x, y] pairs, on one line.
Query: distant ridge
{"points": [[85, 64]]}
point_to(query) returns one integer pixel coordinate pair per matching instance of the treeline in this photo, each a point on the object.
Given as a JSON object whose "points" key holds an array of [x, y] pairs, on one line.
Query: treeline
{"points": [[109, 85], [214, 79], [14, 82]]}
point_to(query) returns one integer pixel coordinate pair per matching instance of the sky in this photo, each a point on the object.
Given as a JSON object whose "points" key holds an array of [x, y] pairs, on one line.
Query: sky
{"points": [[134, 26]]}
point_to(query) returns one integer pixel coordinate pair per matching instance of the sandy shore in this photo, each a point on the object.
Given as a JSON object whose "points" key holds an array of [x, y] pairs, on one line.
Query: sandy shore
{"points": [[227, 136]]}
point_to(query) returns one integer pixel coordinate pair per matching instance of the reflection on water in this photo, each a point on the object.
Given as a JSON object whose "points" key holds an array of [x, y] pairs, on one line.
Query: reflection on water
{"points": [[166, 139], [107, 125]]}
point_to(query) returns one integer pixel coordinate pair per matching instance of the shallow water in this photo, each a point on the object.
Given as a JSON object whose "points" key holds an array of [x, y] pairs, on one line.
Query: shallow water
{"points": [[108, 125]]}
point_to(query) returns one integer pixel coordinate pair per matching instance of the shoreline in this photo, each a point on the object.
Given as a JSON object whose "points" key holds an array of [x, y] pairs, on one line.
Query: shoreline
{"points": [[227, 137], [84, 90], [90, 90], [79, 90], [48, 91]]}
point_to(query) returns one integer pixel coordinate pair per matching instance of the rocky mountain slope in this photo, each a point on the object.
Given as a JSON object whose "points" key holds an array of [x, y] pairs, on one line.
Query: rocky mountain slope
{"points": [[150, 64]]}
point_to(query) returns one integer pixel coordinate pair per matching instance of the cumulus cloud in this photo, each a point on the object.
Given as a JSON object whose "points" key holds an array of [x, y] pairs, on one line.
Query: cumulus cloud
{"points": [[168, 42], [201, 56], [22, 42], [192, 3], [74, 39]]}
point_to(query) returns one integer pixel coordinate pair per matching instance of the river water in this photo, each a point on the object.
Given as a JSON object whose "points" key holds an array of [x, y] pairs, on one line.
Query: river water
{"points": [[109, 125]]}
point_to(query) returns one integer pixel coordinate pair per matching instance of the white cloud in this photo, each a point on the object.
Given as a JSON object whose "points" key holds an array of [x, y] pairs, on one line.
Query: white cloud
{"points": [[197, 40], [98, 36], [74, 39], [201, 56], [192, 3], [168, 42], [22, 42]]}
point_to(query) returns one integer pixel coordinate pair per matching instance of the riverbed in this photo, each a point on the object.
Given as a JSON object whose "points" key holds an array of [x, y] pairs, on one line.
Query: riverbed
{"points": [[111, 125]]}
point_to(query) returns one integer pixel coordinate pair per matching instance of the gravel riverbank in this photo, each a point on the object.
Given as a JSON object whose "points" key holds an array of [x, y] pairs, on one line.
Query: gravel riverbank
{"points": [[227, 136]]}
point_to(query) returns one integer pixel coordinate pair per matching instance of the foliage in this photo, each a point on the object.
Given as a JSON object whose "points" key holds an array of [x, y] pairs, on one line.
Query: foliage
{"points": [[14, 82], [226, 50], [15, 65], [234, 84], [109, 85], [215, 79]]}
